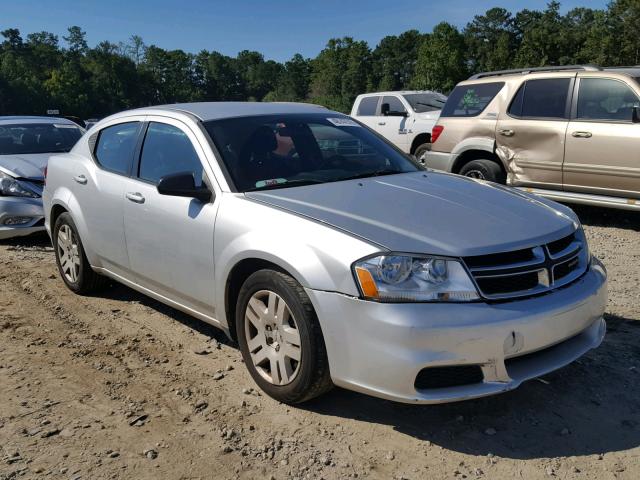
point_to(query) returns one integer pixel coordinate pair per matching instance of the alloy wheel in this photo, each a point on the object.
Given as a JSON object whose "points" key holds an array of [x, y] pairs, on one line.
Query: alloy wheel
{"points": [[273, 339], [68, 253]]}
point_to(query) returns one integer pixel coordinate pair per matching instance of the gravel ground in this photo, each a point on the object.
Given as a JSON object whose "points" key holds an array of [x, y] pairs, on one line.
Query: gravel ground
{"points": [[120, 386]]}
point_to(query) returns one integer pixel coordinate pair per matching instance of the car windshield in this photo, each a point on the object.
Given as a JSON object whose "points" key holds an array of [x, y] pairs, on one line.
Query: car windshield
{"points": [[425, 102], [267, 152], [22, 139]]}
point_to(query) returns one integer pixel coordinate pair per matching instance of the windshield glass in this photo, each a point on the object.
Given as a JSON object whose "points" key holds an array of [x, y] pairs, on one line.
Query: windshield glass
{"points": [[21, 139], [266, 152], [426, 102]]}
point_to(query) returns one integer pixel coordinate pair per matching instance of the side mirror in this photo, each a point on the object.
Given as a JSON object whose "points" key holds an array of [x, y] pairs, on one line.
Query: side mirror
{"points": [[384, 109], [635, 115], [183, 185]]}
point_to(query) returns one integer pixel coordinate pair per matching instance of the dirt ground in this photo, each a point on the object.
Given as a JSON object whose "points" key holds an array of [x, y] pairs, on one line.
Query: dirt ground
{"points": [[120, 386]]}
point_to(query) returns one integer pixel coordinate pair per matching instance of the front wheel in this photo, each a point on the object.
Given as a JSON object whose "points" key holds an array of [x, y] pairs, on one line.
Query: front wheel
{"points": [[484, 170], [72, 262], [280, 338]]}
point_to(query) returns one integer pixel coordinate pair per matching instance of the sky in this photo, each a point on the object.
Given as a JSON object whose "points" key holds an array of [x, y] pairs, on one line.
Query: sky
{"points": [[276, 28]]}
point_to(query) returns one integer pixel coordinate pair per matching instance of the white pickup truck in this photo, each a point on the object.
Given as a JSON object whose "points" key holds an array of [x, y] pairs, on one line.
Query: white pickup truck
{"points": [[404, 118]]}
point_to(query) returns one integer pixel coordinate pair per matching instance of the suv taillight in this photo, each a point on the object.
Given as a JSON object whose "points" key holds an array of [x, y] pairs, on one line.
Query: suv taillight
{"points": [[435, 132]]}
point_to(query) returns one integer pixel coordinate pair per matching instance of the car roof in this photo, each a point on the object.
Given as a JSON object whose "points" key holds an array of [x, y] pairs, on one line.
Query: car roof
{"points": [[11, 119], [399, 92], [218, 110]]}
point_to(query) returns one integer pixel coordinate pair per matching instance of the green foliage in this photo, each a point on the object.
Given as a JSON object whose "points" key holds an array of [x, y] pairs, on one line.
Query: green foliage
{"points": [[441, 59], [38, 72]]}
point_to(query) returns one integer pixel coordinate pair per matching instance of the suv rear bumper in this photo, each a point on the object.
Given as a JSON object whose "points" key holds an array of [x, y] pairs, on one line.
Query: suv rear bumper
{"points": [[439, 160]]}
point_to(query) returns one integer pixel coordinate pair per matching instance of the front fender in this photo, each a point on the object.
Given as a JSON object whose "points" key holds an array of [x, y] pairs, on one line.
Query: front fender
{"points": [[316, 255]]}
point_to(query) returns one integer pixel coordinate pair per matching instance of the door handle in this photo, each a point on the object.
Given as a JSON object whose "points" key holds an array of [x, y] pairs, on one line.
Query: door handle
{"points": [[506, 132], [382, 123], [581, 134], [81, 179], [135, 197]]}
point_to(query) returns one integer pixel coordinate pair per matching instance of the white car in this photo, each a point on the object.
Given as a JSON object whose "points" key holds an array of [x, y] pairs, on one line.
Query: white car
{"points": [[404, 118], [26, 143]]}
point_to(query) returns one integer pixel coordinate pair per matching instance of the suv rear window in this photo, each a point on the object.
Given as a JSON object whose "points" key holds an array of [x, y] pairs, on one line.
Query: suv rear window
{"points": [[541, 98], [470, 100]]}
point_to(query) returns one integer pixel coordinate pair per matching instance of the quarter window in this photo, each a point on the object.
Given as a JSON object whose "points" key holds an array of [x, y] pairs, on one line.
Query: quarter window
{"points": [[605, 99], [115, 146], [470, 100], [367, 107], [395, 105], [543, 98], [167, 150]]}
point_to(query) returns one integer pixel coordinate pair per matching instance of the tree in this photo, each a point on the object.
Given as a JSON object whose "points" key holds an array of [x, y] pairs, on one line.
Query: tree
{"points": [[394, 60], [76, 40], [490, 40], [340, 72], [441, 59]]}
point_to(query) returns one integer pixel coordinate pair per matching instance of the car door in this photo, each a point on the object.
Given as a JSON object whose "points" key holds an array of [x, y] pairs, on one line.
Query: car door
{"points": [[393, 126], [98, 188], [170, 238], [530, 134], [603, 144]]}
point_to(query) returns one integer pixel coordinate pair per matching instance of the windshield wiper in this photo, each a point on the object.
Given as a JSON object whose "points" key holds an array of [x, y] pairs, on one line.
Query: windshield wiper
{"points": [[375, 173], [289, 183], [429, 105]]}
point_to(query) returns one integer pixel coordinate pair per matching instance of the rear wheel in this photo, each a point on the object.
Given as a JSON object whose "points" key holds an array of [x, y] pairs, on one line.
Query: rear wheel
{"points": [[72, 262], [280, 338], [420, 151], [484, 170]]}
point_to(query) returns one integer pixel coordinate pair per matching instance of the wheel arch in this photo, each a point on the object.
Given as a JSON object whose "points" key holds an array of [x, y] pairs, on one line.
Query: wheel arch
{"points": [[236, 277], [475, 154], [419, 140]]}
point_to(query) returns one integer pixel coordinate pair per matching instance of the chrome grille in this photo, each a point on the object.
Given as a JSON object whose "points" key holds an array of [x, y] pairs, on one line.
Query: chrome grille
{"points": [[530, 271]]}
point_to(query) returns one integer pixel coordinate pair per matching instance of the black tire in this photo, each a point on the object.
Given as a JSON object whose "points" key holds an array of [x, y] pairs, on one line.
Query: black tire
{"points": [[87, 280], [420, 151], [485, 170], [312, 378]]}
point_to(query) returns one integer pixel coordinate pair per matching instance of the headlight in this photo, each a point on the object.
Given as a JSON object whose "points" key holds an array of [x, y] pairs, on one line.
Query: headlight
{"points": [[405, 278], [9, 186]]}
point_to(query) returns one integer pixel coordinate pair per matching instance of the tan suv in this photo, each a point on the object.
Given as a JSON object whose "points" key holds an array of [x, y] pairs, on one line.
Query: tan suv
{"points": [[568, 133]]}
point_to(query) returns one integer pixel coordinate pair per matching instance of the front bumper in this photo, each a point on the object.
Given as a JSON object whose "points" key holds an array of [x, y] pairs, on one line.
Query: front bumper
{"points": [[439, 160], [379, 349], [21, 207]]}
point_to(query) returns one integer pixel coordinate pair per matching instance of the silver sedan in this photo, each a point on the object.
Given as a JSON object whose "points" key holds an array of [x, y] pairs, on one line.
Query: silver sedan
{"points": [[327, 254], [25, 146]]}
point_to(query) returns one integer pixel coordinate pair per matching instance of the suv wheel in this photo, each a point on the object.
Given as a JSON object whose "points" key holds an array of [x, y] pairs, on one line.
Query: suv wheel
{"points": [[72, 262], [420, 151], [280, 338], [484, 170]]}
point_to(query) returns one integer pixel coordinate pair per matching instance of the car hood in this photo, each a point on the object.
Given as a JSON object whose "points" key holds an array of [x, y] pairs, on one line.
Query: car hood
{"points": [[428, 212], [29, 166]]}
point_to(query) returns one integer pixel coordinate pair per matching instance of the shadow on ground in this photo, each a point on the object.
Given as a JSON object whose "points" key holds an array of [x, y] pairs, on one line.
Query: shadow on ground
{"points": [[608, 217], [591, 406]]}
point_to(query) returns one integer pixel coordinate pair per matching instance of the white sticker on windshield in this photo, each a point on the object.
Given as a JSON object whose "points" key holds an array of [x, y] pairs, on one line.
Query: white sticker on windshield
{"points": [[64, 125], [343, 122]]}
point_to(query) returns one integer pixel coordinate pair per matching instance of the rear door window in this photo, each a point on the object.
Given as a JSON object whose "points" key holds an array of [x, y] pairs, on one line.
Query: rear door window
{"points": [[116, 145], [541, 98], [167, 150], [368, 106], [605, 99], [470, 100]]}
